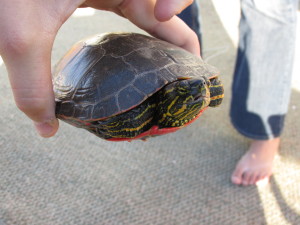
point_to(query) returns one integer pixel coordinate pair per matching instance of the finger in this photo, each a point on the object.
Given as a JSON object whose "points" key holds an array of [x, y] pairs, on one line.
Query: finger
{"points": [[178, 33], [174, 30], [29, 68], [166, 9]]}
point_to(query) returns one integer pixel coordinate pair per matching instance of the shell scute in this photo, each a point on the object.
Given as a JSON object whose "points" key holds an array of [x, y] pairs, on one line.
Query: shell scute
{"points": [[105, 107], [73, 69], [125, 100]]}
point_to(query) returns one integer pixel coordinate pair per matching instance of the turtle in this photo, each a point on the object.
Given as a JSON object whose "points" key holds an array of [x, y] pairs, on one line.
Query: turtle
{"points": [[127, 86]]}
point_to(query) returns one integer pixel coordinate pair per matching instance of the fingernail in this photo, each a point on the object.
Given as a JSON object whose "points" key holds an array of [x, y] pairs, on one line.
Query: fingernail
{"points": [[46, 129]]}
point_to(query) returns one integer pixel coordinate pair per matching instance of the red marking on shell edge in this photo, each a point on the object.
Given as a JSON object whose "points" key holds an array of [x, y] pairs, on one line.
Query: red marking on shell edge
{"points": [[155, 131]]}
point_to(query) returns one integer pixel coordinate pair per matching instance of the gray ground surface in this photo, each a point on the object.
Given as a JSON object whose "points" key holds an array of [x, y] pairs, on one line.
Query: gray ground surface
{"points": [[181, 178]]}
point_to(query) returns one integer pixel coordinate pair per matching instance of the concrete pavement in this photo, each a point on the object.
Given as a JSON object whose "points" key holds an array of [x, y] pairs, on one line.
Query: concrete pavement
{"points": [[181, 178]]}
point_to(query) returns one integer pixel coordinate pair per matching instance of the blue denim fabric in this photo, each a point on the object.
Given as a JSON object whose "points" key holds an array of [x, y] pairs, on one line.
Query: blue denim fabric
{"points": [[262, 79]]}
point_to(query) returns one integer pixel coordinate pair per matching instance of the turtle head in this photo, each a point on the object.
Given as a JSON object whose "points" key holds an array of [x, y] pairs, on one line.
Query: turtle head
{"points": [[181, 101]]}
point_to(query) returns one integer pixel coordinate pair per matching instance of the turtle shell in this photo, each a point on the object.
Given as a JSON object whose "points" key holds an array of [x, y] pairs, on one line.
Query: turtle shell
{"points": [[112, 73]]}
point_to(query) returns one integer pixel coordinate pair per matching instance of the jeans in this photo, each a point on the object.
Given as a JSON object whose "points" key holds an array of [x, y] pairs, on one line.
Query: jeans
{"points": [[262, 79]]}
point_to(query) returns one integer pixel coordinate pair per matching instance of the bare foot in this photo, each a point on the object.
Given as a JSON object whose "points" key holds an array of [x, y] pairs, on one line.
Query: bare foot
{"points": [[256, 165]]}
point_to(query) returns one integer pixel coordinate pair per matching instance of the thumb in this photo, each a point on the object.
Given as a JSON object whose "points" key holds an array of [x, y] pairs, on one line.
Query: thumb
{"points": [[29, 67], [166, 9]]}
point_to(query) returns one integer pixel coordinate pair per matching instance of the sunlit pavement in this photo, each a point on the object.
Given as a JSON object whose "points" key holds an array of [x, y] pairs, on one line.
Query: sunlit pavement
{"points": [[181, 178]]}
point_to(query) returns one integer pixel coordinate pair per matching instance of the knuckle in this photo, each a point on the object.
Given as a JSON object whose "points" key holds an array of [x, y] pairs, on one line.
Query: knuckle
{"points": [[32, 102], [16, 43], [30, 105]]}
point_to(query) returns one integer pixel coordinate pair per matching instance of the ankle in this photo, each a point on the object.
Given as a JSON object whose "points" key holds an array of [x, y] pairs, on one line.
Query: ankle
{"points": [[266, 145]]}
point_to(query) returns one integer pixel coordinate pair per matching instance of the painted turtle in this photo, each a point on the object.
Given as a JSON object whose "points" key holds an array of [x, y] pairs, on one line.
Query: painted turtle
{"points": [[125, 86]]}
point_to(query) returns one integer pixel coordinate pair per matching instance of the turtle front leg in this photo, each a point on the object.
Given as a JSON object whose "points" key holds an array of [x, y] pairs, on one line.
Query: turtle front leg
{"points": [[216, 92]]}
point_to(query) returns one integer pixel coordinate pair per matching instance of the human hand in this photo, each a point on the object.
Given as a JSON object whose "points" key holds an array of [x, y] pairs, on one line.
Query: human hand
{"points": [[28, 30]]}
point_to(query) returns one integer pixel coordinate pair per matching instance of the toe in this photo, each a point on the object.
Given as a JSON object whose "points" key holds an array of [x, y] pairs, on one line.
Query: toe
{"points": [[253, 178], [262, 181], [236, 176], [246, 178], [236, 180]]}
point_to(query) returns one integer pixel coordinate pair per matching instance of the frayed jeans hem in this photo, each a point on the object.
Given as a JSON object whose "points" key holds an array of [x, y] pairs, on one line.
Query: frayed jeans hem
{"points": [[251, 135]]}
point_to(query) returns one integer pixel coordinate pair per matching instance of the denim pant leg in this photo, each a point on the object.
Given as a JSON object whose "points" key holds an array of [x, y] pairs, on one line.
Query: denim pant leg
{"points": [[262, 81]]}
